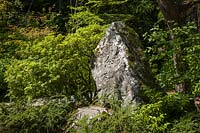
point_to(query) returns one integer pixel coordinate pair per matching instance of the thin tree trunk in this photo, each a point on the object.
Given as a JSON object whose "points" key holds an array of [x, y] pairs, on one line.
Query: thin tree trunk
{"points": [[60, 5], [198, 17]]}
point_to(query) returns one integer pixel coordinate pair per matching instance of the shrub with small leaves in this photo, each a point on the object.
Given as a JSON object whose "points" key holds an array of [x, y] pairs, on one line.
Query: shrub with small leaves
{"points": [[55, 65], [51, 117]]}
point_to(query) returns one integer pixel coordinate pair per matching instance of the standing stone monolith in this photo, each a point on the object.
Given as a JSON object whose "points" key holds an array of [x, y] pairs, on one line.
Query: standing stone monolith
{"points": [[118, 67]]}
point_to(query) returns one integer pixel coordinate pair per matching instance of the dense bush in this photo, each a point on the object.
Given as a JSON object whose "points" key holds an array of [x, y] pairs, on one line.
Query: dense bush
{"points": [[55, 65], [161, 51], [148, 118], [82, 19], [8, 51], [155, 117], [187, 124], [3, 84], [52, 117], [9, 12]]}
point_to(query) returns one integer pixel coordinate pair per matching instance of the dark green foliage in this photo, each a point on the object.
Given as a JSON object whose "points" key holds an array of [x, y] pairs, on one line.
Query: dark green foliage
{"points": [[49, 118], [186, 40], [187, 124], [138, 14], [3, 84], [9, 12]]}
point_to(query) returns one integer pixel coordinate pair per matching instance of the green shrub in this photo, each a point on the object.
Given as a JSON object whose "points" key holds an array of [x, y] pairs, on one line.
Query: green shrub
{"points": [[82, 19], [187, 124], [147, 118], [52, 117], [9, 12], [3, 84], [55, 65], [177, 105], [8, 51], [185, 42], [158, 116]]}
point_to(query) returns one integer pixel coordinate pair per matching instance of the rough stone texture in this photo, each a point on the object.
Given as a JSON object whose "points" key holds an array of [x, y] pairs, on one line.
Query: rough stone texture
{"points": [[90, 111], [39, 102], [118, 67]]}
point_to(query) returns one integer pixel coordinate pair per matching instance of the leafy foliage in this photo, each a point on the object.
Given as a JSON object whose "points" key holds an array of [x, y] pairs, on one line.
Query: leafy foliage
{"points": [[186, 39], [55, 65], [157, 116], [3, 84], [51, 117], [187, 124], [82, 19], [148, 118]]}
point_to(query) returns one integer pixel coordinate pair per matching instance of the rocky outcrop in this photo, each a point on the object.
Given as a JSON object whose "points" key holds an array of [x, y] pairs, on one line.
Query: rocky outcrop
{"points": [[90, 112], [118, 67]]}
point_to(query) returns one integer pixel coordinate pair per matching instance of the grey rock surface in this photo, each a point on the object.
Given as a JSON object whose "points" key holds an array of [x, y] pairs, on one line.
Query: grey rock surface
{"points": [[90, 112], [118, 67]]}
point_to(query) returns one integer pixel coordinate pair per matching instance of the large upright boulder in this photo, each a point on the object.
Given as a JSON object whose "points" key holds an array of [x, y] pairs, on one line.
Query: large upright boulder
{"points": [[118, 67]]}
